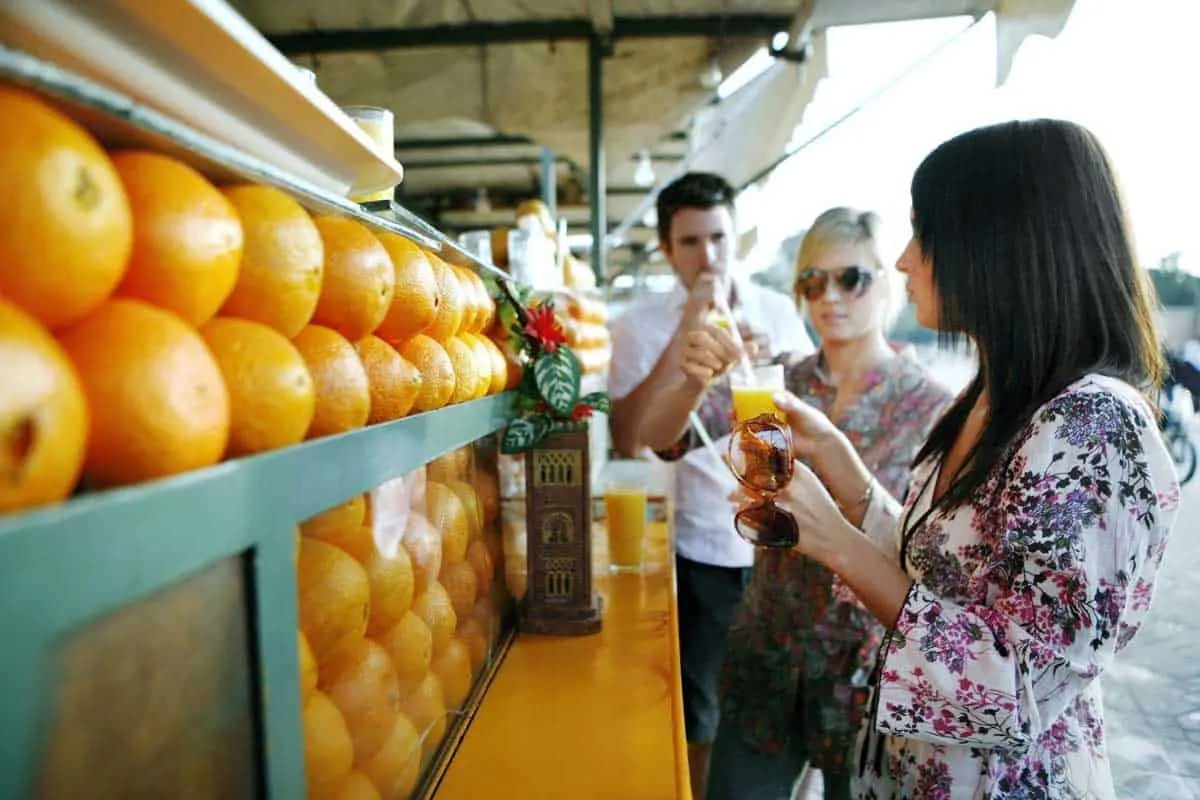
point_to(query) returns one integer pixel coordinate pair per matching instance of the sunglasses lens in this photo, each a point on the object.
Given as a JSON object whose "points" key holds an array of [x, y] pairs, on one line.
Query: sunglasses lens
{"points": [[760, 454], [813, 283], [767, 525], [855, 280]]}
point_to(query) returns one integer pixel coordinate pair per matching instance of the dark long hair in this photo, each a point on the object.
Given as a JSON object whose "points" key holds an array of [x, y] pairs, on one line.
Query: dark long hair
{"points": [[1034, 263]]}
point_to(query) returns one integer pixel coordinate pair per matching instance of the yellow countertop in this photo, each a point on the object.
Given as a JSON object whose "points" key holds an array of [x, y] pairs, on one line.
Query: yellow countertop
{"points": [[592, 716]]}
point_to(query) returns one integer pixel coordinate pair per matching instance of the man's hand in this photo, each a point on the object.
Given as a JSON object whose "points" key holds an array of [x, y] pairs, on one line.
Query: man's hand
{"points": [[702, 299], [758, 346]]}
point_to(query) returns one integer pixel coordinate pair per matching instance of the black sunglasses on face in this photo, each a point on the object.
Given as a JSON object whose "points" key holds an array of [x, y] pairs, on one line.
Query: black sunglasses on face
{"points": [[854, 281]]}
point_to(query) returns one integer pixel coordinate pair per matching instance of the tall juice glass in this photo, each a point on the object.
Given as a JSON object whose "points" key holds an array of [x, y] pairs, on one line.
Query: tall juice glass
{"points": [[380, 125], [754, 398], [625, 518]]}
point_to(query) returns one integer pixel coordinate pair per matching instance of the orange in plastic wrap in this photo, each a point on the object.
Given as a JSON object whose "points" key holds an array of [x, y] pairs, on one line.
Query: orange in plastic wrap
{"points": [[472, 634], [394, 770], [357, 787], [487, 489], [339, 525], [424, 548], [470, 500], [425, 708], [328, 752], [392, 583], [435, 608], [308, 669], [410, 646], [450, 466], [480, 560], [462, 586], [334, 596], [453, 668], [448, 517], [359, 678]]}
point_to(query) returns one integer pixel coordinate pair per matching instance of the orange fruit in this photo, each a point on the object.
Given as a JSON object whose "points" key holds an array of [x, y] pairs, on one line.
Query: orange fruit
{"points": [[480, 559], [446, 514], [472, 634], [487, 489], [471, 506], [437, 372], [271, 394], [435, 608], [498, 365], [472, 312], [43, 415], [425, 708], [282, 260], [395, 768], [482, 358], [328, 751], [359, 279], [410, 646], [445, 468], [339, 526], [486, 615], [462, 586], [466, 370], [358, 787], [65, 227], [424, 547], [308, 669], [158, 402], [415, 301], [343, 392], [487, 306], [358, 677], [394, 382], [453, 668], [392, 582], [451, 301], [187, 238], [334, 596]]}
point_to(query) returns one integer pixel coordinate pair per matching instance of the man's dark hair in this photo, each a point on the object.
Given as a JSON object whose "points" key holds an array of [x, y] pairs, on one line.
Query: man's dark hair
{"points": [[702, 190]]}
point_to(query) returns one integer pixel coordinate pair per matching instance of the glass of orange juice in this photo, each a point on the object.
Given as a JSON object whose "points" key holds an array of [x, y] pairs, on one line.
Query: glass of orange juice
{"points": [[625, 519], [753, 394], [380, 125]]}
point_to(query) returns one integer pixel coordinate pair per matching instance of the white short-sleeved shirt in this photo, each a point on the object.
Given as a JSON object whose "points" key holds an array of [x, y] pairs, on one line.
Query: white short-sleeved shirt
{"points": [[704, 529]]}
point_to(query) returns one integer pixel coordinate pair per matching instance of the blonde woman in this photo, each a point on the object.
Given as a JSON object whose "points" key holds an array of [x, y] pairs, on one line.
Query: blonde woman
{"points": [[800, 648]]}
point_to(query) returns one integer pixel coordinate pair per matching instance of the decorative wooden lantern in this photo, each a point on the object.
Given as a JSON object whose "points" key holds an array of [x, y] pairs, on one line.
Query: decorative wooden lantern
{"points": [[559, 600]]}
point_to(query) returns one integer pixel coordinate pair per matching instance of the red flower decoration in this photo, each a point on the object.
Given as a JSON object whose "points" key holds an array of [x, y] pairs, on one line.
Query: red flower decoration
{"points": [[581, 412], [543, 327]]}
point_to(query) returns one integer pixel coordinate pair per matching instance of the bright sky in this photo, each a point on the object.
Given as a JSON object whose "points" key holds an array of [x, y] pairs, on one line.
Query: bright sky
{"points": [[1129, 71]]}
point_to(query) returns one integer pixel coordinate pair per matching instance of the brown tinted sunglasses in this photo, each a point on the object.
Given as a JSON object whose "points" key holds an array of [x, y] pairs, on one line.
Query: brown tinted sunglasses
{"points": [[853, 281], [760, 456]]}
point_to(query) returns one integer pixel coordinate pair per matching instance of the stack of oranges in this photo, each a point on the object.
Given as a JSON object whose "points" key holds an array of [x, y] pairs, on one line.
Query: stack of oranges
{"points": [[152, 323], [390, 642]]}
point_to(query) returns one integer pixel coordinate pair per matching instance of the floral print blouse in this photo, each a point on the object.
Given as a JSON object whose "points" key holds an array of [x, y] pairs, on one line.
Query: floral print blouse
{"points": [[987, 686], [798, 635]]}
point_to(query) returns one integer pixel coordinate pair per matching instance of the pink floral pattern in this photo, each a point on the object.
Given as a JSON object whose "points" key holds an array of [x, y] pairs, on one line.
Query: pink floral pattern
{"points": [[987, 686]]}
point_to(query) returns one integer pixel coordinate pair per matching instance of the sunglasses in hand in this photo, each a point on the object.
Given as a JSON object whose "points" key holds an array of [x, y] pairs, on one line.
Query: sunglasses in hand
{"points": [[760, 456], [853, 281]]}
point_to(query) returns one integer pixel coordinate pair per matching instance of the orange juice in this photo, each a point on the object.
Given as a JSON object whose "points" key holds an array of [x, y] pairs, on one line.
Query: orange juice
{"points": [[625, 515], [379, 124], [749, 403]]}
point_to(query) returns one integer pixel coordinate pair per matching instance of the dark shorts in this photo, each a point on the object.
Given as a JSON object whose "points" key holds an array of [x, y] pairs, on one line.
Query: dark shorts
{"points": [[707, 597]]}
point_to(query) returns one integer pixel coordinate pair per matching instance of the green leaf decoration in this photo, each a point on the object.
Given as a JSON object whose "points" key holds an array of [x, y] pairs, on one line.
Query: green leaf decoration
{"points": [[522, 435], [557, 377], [599, 401]]}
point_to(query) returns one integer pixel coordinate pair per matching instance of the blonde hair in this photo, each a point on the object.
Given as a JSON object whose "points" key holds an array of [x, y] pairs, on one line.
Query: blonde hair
{"points": [[842, 226]]}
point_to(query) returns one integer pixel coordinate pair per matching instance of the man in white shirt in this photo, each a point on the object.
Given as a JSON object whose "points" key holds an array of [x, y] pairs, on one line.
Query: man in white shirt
{"points": [[697, 235]]}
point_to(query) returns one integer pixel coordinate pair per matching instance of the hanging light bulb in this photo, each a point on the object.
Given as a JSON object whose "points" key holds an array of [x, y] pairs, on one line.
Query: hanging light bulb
{"points": [[711, 76], [643, 176]]}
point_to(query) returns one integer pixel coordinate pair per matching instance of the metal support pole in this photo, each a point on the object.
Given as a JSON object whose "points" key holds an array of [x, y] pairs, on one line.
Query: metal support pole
{"points": [[596, 177], [549, 181]]}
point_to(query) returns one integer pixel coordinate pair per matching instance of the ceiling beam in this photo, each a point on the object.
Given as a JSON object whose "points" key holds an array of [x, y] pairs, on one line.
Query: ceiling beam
{"points": [[450, 142], [484, 33]]}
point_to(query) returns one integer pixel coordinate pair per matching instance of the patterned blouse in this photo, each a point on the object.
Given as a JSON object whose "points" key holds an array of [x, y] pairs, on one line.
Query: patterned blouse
{"points": [[988, 684], [799, 656]]}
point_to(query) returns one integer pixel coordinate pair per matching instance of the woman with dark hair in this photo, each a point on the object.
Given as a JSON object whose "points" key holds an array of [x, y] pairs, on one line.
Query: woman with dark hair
{"points": [[1038, 510]]}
